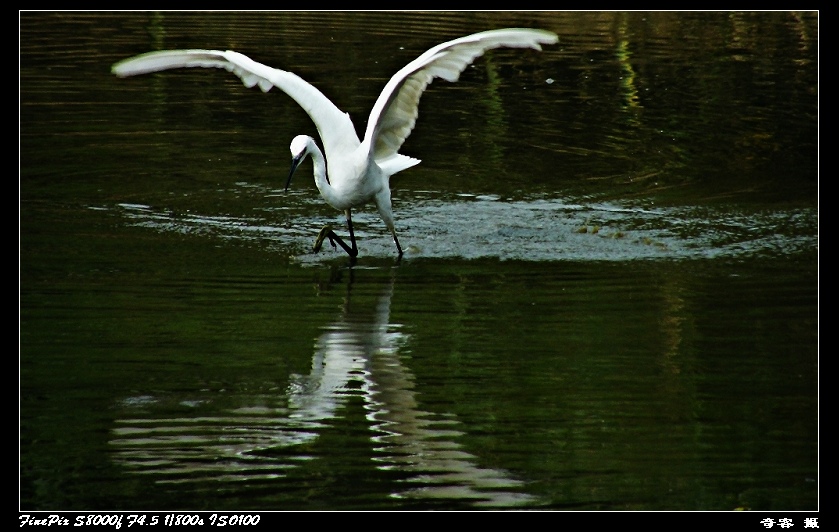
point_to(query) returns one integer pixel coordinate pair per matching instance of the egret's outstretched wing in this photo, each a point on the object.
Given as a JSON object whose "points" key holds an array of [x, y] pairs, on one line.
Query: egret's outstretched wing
{"points": [[335, 127], [395, 112]]}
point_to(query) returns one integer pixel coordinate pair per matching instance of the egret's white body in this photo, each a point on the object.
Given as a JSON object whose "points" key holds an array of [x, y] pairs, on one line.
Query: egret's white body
{"points": [[355, 171]]}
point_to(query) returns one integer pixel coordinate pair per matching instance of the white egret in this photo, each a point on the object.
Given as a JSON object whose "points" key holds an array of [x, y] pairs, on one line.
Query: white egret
{"points": [[354, 171]]}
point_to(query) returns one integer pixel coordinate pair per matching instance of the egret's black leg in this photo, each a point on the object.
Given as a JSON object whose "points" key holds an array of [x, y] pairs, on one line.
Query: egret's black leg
{"points": [[398, 247], [354, 252]]}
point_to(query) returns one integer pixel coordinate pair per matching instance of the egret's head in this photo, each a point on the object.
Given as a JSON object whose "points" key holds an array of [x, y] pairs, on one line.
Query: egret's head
{"points": [[299, 150]]}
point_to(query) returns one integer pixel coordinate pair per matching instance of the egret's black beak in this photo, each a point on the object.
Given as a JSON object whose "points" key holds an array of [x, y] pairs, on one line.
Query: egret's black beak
{"points": [[295, 162]]}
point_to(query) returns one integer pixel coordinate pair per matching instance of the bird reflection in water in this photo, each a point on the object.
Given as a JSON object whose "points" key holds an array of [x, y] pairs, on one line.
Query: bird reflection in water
{"points": [[357, 355]]}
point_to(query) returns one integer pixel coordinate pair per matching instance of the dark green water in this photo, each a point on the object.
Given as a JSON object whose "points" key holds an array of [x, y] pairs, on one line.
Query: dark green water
{"points": [[609, 299]]}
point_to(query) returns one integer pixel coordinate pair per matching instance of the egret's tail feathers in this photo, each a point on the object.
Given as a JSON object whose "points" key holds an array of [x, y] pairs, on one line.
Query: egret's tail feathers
{"points": [[397, 163]]}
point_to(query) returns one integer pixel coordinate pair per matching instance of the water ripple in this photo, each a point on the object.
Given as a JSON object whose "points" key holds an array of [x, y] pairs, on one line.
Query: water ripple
{"points": [[534, 230]]}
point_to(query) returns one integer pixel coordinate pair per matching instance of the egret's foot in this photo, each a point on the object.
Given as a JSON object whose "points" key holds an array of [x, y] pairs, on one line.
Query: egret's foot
{"points": [[335, 240], [325, 233]]}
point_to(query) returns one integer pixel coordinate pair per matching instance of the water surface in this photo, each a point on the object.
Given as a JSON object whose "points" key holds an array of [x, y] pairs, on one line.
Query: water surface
{"points": [[608, 301]]}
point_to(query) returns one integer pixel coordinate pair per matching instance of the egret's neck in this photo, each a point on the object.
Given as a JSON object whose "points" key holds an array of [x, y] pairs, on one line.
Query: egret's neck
{"points": [[319, 163]]}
